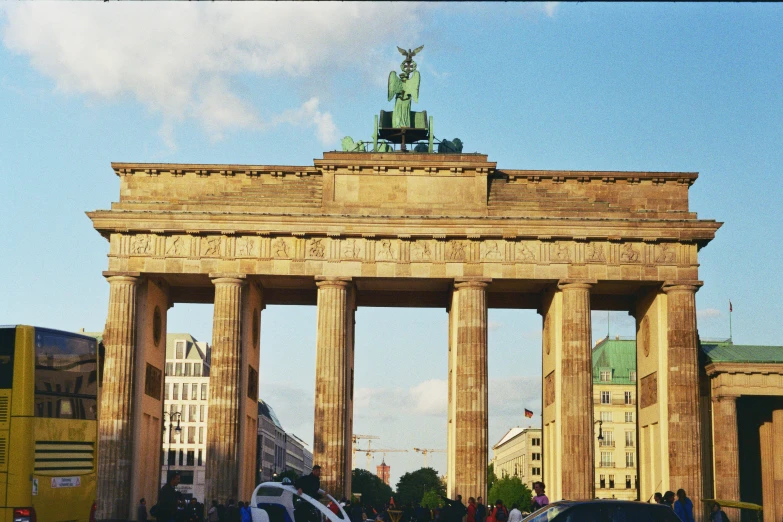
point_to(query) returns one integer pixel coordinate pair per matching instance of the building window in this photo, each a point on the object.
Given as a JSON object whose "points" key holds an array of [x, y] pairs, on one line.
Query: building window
{"points": [[175, 392], [633, 376], [630, 440], [169, 368], [628, 398], [184, 391], [611, 481], [191, 458], [628, 482], [536, 456], [191, 436], [204, 392], [629, 461], [628, 416], [606, 416], [536, 471], [178, 369], [608, 439], [180, 350], [606, 397], [606, 375], [187, 369], [200, 458], [201, 416], [194, 392], [172, 457], [201, 436], [166, 392], [197, 370], [192, 413], [602, 481], [181, 458], [536, 442], [607, 459]]}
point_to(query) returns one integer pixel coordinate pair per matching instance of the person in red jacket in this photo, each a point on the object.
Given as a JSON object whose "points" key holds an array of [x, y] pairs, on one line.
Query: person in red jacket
{"points": [[471, 509]]}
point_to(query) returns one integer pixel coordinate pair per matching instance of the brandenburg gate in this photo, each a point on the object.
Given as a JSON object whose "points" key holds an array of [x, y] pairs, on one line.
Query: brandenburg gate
{"points": [[450, 231]]}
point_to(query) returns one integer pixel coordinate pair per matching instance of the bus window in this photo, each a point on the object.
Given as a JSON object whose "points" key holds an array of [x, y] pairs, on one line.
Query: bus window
{"points": [[66, 385], [7, 340]]}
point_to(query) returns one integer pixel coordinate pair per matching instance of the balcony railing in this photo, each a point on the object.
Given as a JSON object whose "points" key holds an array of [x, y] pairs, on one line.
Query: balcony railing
{"points": [[606, 443], [606, 465]]}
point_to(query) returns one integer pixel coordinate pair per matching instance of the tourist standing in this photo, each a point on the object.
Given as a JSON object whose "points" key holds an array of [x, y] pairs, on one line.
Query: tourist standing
{"points": [[658, 498], [540, 500], [683, 507], [481, 510], [471, 509], [717, 514], [668, 499], [515, 515], [168, 500], [141, 511], [500, 513], [213, 515]]}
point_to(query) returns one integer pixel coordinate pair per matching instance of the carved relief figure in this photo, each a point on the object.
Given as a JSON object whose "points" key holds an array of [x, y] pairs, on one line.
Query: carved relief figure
{"points": [[457, 252], [421, 251], [317, 248], [629, 254], [245, 246], [595, 253], [666, 254], [212, 247], [141, 245], [493, 250], [385, 250], [351, 249], [175, 246], [525, 254], [280, 247], [560, 252]]}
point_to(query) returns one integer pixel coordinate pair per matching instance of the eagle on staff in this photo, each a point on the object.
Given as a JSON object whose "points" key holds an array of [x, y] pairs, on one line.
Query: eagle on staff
{"points": [[404, 88]]}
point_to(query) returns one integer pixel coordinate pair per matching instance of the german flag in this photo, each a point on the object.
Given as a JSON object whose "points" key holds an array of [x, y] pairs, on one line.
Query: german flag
{"points": [[528, 413]]}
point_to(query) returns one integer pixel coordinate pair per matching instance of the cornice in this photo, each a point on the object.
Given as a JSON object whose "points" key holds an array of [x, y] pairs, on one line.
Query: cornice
{"points": [[746, 368]]}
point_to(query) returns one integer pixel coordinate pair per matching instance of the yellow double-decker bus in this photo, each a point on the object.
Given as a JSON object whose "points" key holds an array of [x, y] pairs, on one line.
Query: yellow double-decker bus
{"points": [[48, 425]]}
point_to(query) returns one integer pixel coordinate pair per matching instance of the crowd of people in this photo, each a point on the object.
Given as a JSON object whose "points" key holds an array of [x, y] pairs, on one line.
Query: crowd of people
{"points": [[173, 507], [683, 506]]}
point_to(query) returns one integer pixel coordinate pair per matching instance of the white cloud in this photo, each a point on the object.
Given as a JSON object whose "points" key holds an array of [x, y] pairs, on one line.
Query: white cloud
{"points": [[430, 397], [708, 313], [495, 325], [178, 59]]}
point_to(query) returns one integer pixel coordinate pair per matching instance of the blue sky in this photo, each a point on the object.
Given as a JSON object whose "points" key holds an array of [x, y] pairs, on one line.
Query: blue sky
{"points": [[672, 87]]}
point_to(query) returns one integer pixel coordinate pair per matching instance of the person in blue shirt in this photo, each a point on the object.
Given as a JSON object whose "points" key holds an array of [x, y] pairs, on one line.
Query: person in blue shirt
{"points": [[683, 507]]}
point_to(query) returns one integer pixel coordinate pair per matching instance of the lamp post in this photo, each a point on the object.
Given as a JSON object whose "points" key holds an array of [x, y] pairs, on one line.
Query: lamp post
{"points": [[600, 432], [171, 416]]}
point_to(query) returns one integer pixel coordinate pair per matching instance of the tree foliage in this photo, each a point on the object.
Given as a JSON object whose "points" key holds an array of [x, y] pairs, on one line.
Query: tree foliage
{"points": [[412, 486], [511, 491], [431, 499], [370, 486], [491, 477]]}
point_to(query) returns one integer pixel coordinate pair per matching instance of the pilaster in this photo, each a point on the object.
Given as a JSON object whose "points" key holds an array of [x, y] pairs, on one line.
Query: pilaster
{"points": [[726, 448], [777, 458], [115, 431], [225, 394], [334, 384], [468, 441], [767, 470]]}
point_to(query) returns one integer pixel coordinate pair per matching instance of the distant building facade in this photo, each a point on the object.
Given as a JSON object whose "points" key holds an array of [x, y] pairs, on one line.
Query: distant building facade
{"points": [[518, 454], [383, 471], [614, 410], [185, 393], [277, 450]]}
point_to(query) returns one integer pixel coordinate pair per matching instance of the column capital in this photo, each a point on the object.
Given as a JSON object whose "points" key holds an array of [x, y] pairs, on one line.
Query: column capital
{"points": [[336, 281], [725, 397], [471, 282], [575, 284], [118, 277], [227, 279], [682, 286]]}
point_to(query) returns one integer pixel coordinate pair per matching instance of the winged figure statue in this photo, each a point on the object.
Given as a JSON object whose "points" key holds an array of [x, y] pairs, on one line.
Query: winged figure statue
{"points": [[404, 88]]}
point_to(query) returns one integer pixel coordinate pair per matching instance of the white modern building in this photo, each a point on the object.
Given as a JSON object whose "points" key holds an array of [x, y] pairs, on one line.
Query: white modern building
{"points": [[278, 451], [185, 392], [518, 454]]}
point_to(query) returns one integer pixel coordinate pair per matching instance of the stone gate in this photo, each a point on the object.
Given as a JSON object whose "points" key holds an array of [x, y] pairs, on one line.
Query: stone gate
{"points": [[400, 229]]}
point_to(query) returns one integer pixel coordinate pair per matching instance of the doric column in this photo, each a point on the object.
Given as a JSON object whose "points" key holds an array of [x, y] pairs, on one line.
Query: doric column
{"points": [[725, 447], [777, 458], [767, 471], [578, 463], [222, 473], [683, 392], [334, 384], [469, 440], [115, 445]]}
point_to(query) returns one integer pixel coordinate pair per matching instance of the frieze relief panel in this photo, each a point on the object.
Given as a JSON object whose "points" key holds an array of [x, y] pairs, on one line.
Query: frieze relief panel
{"points": [[372, 249]]}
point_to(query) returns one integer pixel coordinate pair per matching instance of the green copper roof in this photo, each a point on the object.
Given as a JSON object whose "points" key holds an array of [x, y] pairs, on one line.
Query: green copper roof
{"points": [[617, 356], [728, 352]]}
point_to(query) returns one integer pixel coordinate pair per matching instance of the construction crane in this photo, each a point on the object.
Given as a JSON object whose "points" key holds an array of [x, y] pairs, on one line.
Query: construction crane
{"points": [[427, 451], [356, 438], [383, 451]]}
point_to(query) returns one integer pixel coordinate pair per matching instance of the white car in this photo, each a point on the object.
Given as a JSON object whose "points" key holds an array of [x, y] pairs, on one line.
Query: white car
{"points": [[277, 501]]}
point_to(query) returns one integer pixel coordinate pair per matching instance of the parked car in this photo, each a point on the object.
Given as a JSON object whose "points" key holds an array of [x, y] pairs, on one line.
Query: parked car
{"points": [[279, 502], [602, 511]]}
